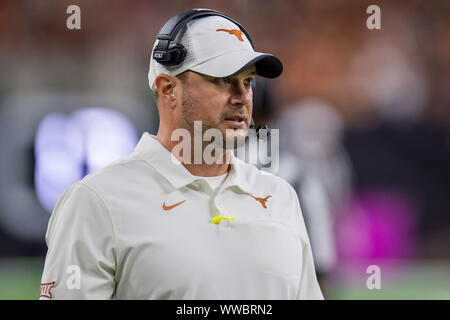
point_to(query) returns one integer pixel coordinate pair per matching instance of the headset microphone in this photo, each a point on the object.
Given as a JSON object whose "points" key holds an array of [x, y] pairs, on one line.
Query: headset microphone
{"points": [[263, 127]]}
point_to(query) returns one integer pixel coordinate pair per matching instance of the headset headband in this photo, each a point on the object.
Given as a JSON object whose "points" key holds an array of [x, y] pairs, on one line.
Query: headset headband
{"points": [[169, 53]]}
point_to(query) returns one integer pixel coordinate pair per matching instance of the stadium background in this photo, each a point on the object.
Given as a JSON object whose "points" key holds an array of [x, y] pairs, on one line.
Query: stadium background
{"points": [[364, 117]]}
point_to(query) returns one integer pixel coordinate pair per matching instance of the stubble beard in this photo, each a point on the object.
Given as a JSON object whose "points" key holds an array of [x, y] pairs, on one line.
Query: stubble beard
{"points": [[229, 141]]}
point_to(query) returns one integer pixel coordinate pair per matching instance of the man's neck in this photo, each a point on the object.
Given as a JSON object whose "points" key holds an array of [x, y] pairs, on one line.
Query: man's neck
{"points": [[207, 170]]}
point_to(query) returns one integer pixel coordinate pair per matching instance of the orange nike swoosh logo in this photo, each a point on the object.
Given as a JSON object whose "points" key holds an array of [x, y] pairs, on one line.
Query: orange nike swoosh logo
{"points": [[262, 201], [236, 32], [172, 206]]}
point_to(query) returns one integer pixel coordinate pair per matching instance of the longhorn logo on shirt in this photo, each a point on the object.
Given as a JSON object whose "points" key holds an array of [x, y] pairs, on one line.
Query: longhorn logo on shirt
{"points": [[236, 32], [262, 201]]}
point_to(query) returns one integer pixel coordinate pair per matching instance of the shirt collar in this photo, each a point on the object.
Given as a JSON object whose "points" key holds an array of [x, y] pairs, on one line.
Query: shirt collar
{"points": [[173, 170], [237, 176]]}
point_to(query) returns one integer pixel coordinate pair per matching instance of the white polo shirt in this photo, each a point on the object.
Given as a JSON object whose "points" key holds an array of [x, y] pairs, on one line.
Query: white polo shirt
{"points": [[144, 228]]}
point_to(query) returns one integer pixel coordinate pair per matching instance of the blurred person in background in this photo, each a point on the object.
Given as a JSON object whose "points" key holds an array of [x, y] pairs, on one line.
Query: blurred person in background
{"points": [[314, 162]]}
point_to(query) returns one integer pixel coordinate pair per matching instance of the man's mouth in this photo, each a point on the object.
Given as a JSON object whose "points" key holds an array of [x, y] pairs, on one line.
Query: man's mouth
{"points": [[236, 121]]}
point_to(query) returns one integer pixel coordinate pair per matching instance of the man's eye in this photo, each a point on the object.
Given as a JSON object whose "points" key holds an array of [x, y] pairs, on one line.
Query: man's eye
{"points": [[225, 80], [249, 81], [222, 81]]}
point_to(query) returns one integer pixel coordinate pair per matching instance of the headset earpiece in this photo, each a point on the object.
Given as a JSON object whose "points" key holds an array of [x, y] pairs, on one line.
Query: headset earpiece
{"points": [[176, 53]]}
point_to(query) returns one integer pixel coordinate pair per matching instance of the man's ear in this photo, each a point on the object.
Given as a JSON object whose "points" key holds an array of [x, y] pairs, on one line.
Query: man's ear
{"points": [[165, 86]]}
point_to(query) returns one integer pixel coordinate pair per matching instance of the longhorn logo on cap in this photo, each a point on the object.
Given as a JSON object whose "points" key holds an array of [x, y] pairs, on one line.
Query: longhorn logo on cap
{"points": [[236, 32]]}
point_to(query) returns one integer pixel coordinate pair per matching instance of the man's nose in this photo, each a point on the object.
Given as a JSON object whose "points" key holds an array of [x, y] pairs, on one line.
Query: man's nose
{"points": [[240, 93]]}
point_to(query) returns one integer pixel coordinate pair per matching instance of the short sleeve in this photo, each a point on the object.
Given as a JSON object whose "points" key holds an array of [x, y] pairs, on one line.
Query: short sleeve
{"points": [[80, 261]]}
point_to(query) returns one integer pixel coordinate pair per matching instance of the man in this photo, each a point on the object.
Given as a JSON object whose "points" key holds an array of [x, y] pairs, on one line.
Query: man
{"points": [[159, 224]]}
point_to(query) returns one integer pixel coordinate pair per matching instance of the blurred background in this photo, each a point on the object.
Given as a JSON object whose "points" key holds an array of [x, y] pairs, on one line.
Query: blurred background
{"points": [[364, 118]]}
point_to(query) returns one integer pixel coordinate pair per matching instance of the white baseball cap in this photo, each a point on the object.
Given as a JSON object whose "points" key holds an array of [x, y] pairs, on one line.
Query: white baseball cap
{"points": [[216, 47]]}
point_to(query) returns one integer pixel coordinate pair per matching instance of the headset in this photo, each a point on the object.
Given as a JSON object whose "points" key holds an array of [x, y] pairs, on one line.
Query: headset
{"points": [[169, 53]]}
